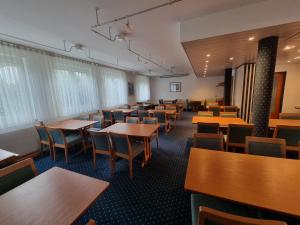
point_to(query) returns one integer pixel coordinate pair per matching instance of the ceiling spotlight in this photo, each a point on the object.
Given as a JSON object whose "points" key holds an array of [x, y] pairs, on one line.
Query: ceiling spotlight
{"points": [[231, 58], [289, 47], [208, 55], [297, 57], [251, 38], [289, 61], [207, 61]]}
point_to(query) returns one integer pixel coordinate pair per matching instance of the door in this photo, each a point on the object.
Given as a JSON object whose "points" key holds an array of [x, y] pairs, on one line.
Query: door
{"points": [[277, 94]]}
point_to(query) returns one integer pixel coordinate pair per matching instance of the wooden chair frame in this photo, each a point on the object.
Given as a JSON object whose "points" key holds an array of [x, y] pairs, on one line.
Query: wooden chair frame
{"points": [[282, 142], [19, 165], [156, 133], [211, 136], [167, 124], [238, 145], [223, 218], [42, 142], [107, 122]]}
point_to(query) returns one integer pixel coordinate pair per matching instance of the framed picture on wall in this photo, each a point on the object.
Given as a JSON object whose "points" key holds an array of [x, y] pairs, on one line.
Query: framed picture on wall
{"points": [[130, 88], [175, 86]]}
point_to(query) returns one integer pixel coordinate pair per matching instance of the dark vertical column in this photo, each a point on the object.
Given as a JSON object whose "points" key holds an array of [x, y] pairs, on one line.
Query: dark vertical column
{"points": [[265, 68], [227, 86]]}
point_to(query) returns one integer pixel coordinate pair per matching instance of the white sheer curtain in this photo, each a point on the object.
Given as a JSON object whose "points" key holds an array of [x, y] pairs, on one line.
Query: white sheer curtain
{"points": [[113, 87], [142, 88]]}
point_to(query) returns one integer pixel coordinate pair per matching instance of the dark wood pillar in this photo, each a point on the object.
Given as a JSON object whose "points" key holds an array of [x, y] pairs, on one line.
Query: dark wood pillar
{"points": [[227, 86], [265, 68]]}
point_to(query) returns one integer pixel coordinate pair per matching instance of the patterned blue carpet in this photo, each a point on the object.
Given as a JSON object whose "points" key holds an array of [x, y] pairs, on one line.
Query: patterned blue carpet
{"points": [[155, 195]]}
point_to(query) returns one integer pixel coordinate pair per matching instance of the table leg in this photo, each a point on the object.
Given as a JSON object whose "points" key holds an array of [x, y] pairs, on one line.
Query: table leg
{"points": [[84, 142]]}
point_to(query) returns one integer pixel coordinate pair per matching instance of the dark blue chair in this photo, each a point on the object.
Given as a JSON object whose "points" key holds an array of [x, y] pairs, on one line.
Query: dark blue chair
{"points": [[97, 117], [163, 120], [16, 174], [133, 120], [209, 141], [215, 109], [263, 146], [107, 118], [212, 128], [119, 116], [142, 114], [44, 137], [236, 135]]}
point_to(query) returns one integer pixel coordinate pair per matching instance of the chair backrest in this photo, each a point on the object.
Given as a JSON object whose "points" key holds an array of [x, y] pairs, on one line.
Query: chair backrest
{"points": [[212, 216], [215, 110], [265, 146], [143, 113], [107, 115], [119, 115], [159, 107], [150, 120], [228, 114], [289, 116], [290, 133], [161, 117], [209, 141], [100, 140], [231, 109], [97, 117], [132, 119], [43, 133], [57, 136], [16, 174], [237, 133], [205, 113], [83, 117], [120, 143], [208, 128]]}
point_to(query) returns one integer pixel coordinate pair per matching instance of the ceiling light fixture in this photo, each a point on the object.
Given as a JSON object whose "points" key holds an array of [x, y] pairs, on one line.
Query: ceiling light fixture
{"points": [[207, 61], [231, 58], [208, 55], [251, 38], [297, 57], [289, 47], [288, 61]]}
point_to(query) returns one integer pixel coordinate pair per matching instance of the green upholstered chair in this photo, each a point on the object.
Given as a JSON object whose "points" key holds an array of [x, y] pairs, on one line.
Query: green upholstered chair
{"points": [[205, 113], [236, 135], [133, 120], [209, 216], [209, 141], [292, 136], [152, 120], [208, 128], [101, 145], [123, 148], [107, 118], [228, 114], [289, 116], [16, 174], [44, 136], [142, 114], [215, 109], [163, 120], [60, 140], [201, 200], [119, 116], [265, 146]]}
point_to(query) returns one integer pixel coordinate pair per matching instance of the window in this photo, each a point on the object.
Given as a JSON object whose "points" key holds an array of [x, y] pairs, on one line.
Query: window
{"points": [[142, 88]]}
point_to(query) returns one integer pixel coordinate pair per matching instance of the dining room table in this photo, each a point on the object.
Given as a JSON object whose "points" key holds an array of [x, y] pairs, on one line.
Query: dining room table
{"points": [[273, 123], [262, 182], [57, 196], [223, 121]]}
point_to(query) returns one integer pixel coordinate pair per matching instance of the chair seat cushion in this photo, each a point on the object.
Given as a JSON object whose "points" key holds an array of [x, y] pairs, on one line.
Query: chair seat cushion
{"points": [[198, 200], [73, 138]]}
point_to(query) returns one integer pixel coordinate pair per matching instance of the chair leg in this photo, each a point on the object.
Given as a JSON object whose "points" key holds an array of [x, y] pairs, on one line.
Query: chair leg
{"points": [[130, 168], [157, 142], [54, 152], [112, 164], [42, 148], [94, 159], [66, 154]]}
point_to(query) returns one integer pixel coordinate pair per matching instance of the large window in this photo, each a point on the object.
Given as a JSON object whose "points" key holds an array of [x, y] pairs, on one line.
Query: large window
{"points": [[142, 88]]}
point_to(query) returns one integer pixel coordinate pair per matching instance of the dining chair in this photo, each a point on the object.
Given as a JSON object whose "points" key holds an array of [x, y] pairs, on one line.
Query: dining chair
{"points": [[107, 118], [236, 135], [292, 136], [119, 116], [123, 148], [102, 146], [133, 120], [142, 114], [217, 217], [91, 222], [44, 137], [16, 174], [228, 114], [231, 109], [289, 116], [97, 117], [163, 120], [152, 120], [209, 141], [83, 117], [159, 107], [265, 146], [215, 109], [205, 113], [61, 140], [208, 128]]}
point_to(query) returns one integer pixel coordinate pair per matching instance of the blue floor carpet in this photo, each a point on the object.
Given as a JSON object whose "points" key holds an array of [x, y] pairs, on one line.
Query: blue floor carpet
{"points": [[155, 195]]}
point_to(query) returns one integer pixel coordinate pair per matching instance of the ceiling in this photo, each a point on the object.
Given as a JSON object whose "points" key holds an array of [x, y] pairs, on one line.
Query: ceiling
{"points": [[232, 50], [156, 34]]}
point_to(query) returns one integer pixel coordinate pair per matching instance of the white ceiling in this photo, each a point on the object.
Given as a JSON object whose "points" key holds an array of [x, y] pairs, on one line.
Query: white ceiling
{"points": [[156, 34]]}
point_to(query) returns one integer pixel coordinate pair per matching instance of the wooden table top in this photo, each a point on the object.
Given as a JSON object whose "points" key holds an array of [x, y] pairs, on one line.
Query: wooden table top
{"points": [[167, 111], [139, 130], [274, 122], [71, 124], [57, 196], [6, 155], [264, 182], [223, 121], [126, 111]]}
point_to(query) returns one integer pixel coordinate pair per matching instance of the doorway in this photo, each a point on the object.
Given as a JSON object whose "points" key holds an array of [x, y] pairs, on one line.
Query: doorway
{"points": [[277, 94]]}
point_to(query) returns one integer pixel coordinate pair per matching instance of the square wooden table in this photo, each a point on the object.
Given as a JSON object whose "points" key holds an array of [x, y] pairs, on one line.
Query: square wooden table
{"points": [[137, 130], [275, 122], [265, 182], [71, 124], [125, 111], [57, 196], [6, 157], [223, 121], [167, 111]]}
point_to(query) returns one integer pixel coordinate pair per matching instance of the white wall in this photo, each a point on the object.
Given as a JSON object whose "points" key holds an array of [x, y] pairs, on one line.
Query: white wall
{"points": [[192, 88]]}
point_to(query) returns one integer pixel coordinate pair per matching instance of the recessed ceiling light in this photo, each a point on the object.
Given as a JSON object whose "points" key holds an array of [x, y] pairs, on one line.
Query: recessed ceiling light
{"points": [[206, 65], [231, 58], [251, 38], [208, 61], [208, 55], [289, 61], [297, 57], [289, 47]]}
